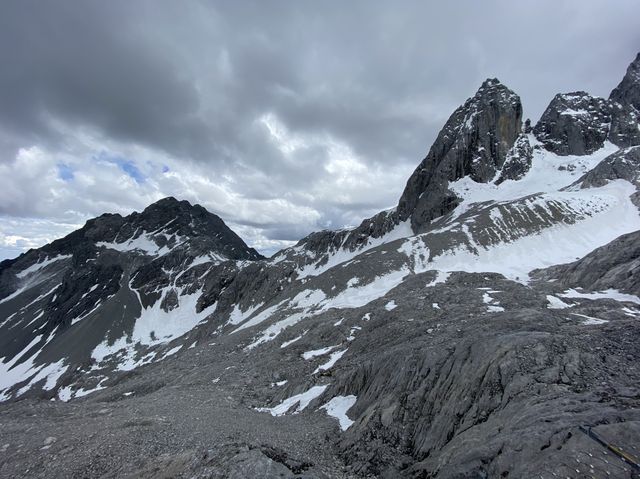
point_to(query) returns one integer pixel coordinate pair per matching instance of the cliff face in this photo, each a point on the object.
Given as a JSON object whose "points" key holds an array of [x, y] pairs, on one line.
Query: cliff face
{"points": [[474, 142], [627, 92]]}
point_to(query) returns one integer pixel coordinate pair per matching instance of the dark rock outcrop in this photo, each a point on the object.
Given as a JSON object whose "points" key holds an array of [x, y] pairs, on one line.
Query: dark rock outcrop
{"points": [[628, 91], [624, 164], [579, 124], [167, 223], [207, 231], [625, 125], [613, 266], [574, 124], [474, 142]]}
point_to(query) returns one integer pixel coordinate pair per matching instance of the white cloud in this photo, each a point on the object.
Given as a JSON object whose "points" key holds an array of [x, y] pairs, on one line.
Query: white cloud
{"points": [[278, 124], [20, 234], [40, 204]]}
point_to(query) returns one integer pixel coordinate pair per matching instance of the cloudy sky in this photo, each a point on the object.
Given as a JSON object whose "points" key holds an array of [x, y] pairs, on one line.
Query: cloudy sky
{"points": [[282, 117]]}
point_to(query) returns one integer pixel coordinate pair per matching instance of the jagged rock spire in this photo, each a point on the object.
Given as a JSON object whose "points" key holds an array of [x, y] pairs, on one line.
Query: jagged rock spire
{"points": [[628, 91]]}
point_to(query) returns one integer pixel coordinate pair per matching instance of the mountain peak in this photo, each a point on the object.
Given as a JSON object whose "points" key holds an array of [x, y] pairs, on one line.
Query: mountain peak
{"points": [[492, 87], [574, 123], [577, 123], [474, 142], [170, 203], [172, 217], [490, 83], [167, 226]]}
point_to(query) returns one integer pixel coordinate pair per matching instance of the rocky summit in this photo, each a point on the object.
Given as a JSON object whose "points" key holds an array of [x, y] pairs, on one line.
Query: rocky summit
{"points": [[485, 327]]}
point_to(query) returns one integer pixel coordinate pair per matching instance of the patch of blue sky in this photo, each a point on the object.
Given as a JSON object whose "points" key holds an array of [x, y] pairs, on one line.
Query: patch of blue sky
{"points": [[65, 172], [126, 165]]}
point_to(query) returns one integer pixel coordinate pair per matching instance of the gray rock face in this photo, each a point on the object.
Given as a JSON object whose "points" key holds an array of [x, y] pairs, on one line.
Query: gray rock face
{"points": [[255, 464], [579, 124], [574, 124], [475, 141], [628, 91], [624, 164], [625, 125], [613, 266], [320, 243]]}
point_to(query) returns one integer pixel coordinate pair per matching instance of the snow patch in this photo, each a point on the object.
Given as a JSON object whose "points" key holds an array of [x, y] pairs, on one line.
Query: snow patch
{"points": [[557, 303], [333, 359], [144, 243], [339, 256], [590, 320], [154, 326], [38, 266], [238, 316], [363, 295], [318, 352], [301, 401], [338, 408], [260, 317], [291, 341], [607, 294], [51, 373], [441, 277], [493, 306]]}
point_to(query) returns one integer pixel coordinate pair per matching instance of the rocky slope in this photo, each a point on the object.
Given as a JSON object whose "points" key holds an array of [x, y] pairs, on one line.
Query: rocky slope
{"points": [[114, 279], [469, 332]]}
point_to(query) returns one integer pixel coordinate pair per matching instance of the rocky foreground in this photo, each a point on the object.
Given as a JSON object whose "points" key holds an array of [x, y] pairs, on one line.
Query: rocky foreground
{"points": [[476, 376]]}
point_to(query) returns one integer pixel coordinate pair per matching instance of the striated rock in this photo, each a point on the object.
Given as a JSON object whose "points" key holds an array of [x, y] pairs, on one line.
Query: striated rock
{"points": [[624, 164], [613, 266], [82, 289]]}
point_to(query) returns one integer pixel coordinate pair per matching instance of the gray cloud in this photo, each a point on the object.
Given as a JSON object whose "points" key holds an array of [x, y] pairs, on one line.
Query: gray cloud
{"points": [[282, 117]]}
